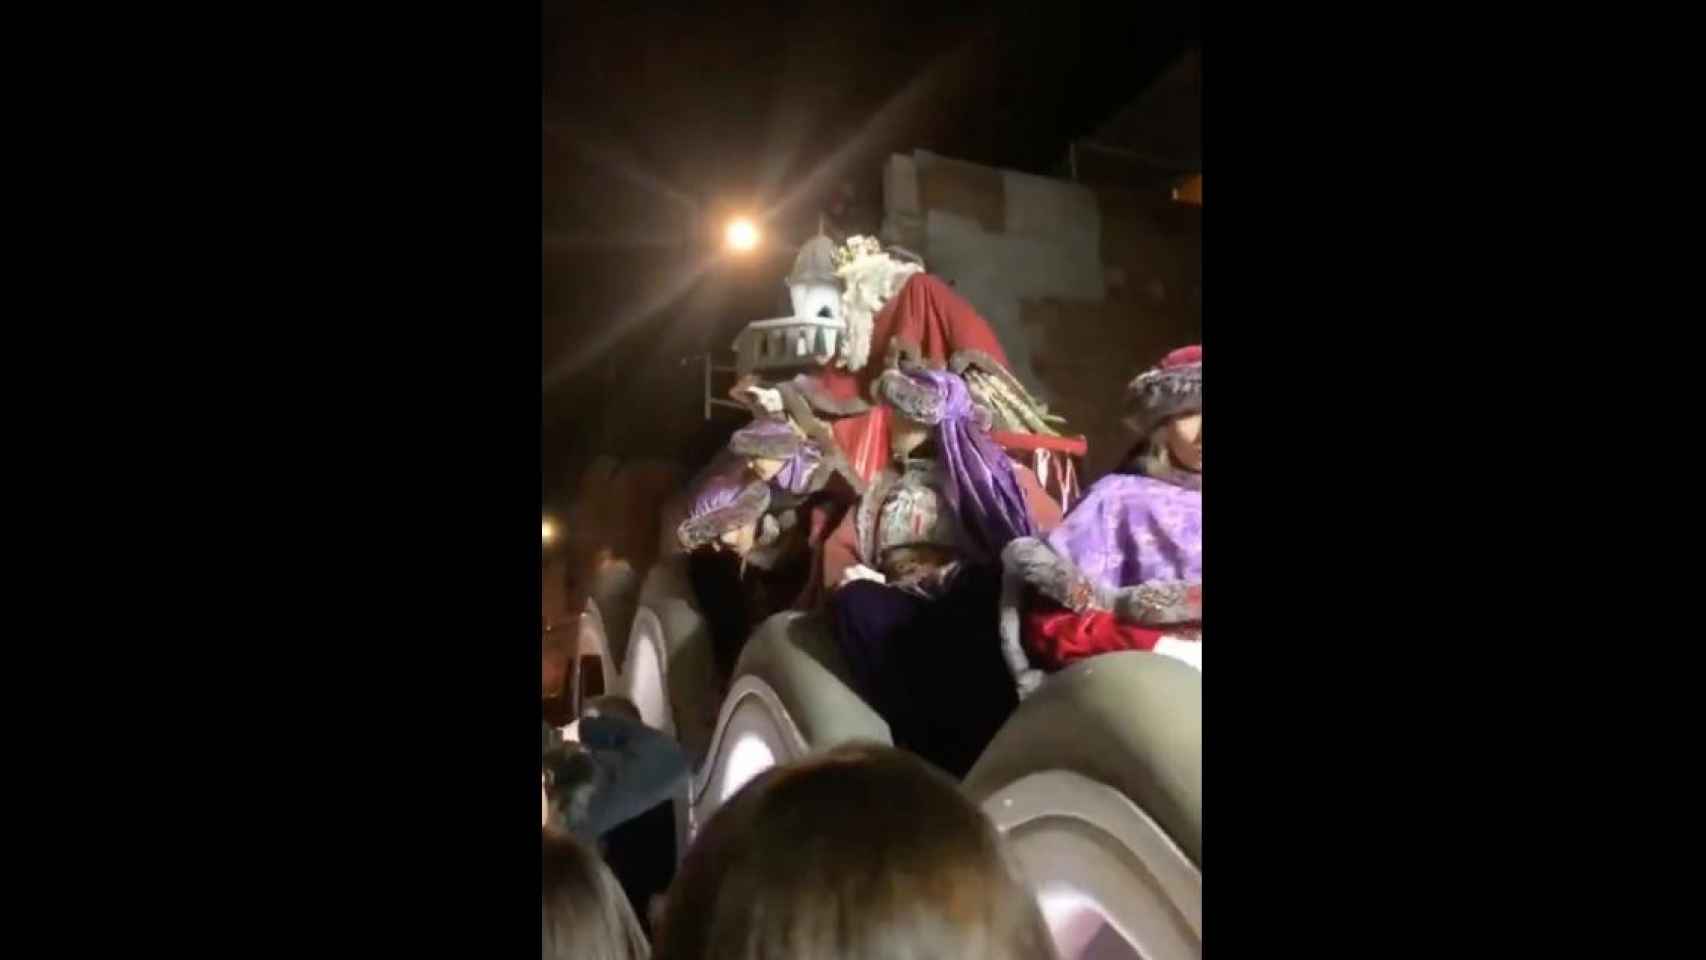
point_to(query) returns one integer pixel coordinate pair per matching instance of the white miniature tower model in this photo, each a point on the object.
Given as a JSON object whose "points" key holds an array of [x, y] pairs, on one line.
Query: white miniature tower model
{"points": [[809, 337]]}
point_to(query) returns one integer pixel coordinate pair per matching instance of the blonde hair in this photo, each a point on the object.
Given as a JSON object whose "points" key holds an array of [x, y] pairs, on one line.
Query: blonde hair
{"points": [[586, 914], [1152, 457]]}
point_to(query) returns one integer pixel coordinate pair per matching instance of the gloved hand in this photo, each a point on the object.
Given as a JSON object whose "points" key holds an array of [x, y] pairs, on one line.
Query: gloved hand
{"points": [[859, 571], [1054, 576], [770, 401], [1159, 603], [1029, 680]]}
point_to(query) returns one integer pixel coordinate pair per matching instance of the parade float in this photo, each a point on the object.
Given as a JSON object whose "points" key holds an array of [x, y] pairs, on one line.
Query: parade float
{"points": [[1095, 776]]}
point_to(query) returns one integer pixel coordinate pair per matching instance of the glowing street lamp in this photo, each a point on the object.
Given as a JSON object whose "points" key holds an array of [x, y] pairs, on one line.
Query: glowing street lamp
{"points": [[741, 235], [547, 532]]}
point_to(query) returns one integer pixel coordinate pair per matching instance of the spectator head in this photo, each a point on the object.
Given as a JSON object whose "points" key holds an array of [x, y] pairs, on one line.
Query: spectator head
{"points": [[862, 853], [572, 778], [586, 914]]}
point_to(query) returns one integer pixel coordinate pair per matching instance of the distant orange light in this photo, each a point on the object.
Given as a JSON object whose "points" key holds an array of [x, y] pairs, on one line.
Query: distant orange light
{"points": [[547, 532], [1189, 191]]}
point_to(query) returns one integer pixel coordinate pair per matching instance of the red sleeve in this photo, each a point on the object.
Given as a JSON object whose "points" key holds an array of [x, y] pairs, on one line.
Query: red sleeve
{"points": [[864, 441], [1055, 637], [840, 551]]}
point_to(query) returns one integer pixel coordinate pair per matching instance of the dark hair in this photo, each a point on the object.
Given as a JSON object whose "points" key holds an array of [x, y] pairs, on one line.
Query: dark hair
{"points": [[863, 852], [572, 778], [586, 915]]}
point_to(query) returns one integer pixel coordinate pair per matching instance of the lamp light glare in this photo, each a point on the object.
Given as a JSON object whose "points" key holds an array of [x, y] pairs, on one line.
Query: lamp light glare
{"points": [[742, 235]]}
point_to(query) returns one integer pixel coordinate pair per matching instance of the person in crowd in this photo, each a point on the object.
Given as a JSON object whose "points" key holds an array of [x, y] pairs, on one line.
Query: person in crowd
{"points": [[585, 915], [861, 853], [607, 769], [620, 802], [753, 520], [917, 614], [809, 487], [557, 646], [1124, 570]]}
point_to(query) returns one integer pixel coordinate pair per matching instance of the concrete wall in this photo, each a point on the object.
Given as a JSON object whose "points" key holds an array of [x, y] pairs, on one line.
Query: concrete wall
{"points": [[1085, 287]]}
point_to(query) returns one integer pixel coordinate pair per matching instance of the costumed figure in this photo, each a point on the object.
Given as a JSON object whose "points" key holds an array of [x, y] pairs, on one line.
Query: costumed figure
{"points": [[797, 468], [754, 519], [915, 614], [811, 489], [860, 309], [726, 522], [1123, 571], [854, 548]]}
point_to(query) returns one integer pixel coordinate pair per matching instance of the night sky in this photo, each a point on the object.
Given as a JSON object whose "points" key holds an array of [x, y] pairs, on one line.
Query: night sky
{"points": [[657, 124]]}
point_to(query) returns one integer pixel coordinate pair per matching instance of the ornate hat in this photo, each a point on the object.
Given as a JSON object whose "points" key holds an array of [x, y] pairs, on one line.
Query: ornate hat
{"points": [[766, 437], [1172, 388], [727, 502], [929, 396], [911, 396]]}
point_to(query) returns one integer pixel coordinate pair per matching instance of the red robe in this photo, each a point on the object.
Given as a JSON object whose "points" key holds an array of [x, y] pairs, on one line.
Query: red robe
{"points": [[925, 320]]}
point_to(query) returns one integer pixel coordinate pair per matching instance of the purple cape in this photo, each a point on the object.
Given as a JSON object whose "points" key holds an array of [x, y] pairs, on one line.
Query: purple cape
{"points": [[797, 471], [982, 490], [1131, 529]]}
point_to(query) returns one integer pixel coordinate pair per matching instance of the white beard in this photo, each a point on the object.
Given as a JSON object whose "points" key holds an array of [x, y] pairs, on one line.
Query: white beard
{"points": [[869, 283]]}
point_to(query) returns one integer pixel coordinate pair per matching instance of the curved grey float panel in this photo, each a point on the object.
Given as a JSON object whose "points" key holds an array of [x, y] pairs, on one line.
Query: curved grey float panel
{"points": [[591, 640], [616, 590], [1110, 882], [795, 655], [645, 674], [1131, 721], [790, 699], [688, 668], [754, 732]]}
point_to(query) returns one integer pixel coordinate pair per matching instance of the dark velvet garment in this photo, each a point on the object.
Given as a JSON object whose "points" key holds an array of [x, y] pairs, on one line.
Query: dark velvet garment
{"points": [[931, 667], [721, 596], [735, 601]]}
